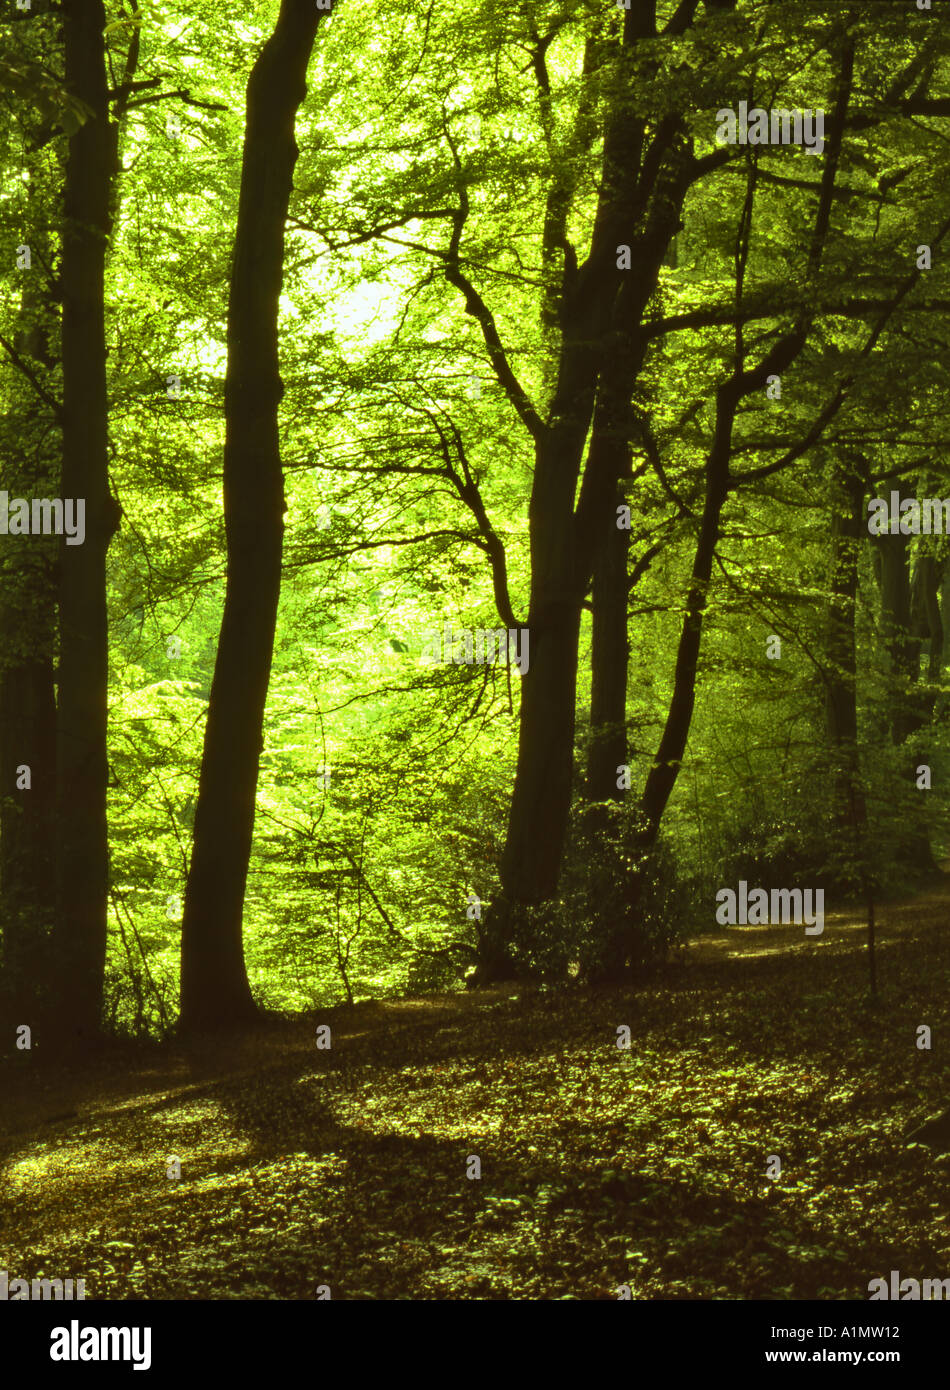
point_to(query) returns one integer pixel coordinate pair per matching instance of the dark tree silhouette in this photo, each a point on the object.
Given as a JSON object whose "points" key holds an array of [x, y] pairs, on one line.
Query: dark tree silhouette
{"points": [[214, 984]]}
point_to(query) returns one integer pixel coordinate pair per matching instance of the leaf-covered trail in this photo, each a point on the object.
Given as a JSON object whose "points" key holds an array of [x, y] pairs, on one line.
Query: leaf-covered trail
{"points": [[347, 1167]]}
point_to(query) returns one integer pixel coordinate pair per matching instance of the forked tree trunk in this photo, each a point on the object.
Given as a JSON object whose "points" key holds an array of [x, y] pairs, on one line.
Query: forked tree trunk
{"points": [[598, 308], [601, 310]]}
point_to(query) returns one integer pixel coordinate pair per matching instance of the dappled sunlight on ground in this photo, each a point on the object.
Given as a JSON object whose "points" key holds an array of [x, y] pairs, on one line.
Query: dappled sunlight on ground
{"points": [[351, 1167]]}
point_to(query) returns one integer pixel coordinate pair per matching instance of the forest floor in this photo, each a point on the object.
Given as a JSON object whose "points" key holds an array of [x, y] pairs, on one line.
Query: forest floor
{"points": [[348, 1168]]}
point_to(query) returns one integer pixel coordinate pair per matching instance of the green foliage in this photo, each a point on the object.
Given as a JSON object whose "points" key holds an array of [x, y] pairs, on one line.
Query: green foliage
{"points": [[614, 890], [393, 417]]}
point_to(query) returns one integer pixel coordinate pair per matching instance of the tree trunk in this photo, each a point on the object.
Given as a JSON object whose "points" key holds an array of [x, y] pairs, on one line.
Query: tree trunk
{"points": [[610, 655], [901, 649], [214, 985], [542, 792], [28, 584], [28, 840], [666, 765], [849, 807], [927, 619], [841, 708], [27, 815], [82, 772], [609, 457], [662, 776], [642, 192], [601, 312], [911, 842]]}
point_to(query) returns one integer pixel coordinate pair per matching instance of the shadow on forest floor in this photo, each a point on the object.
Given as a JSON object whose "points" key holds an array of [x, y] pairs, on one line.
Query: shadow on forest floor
{"points": [[348, 1167]]}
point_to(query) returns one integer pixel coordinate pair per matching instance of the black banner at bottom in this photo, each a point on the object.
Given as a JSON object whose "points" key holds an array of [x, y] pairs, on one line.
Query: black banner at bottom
{"points": [[679, 1337]]}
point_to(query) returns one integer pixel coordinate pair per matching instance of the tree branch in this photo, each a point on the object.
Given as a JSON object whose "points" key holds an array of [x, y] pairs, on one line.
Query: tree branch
{"points": [[27, 371], [184, 95], [479, 310]]}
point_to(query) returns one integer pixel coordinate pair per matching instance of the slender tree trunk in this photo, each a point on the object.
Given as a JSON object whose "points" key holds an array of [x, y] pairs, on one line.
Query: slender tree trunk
{"points": [[610, 656], [902, 656], [662, 776], [927, 620], [935, 571], [609, 456], [850, 817], [214, 984], [901, 649], [841, 708], [83, 670]]}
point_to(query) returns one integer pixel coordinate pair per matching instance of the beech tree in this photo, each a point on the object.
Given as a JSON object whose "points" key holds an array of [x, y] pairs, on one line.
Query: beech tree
{"points": [[82, 706], [28, 840], [214, 985]]}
